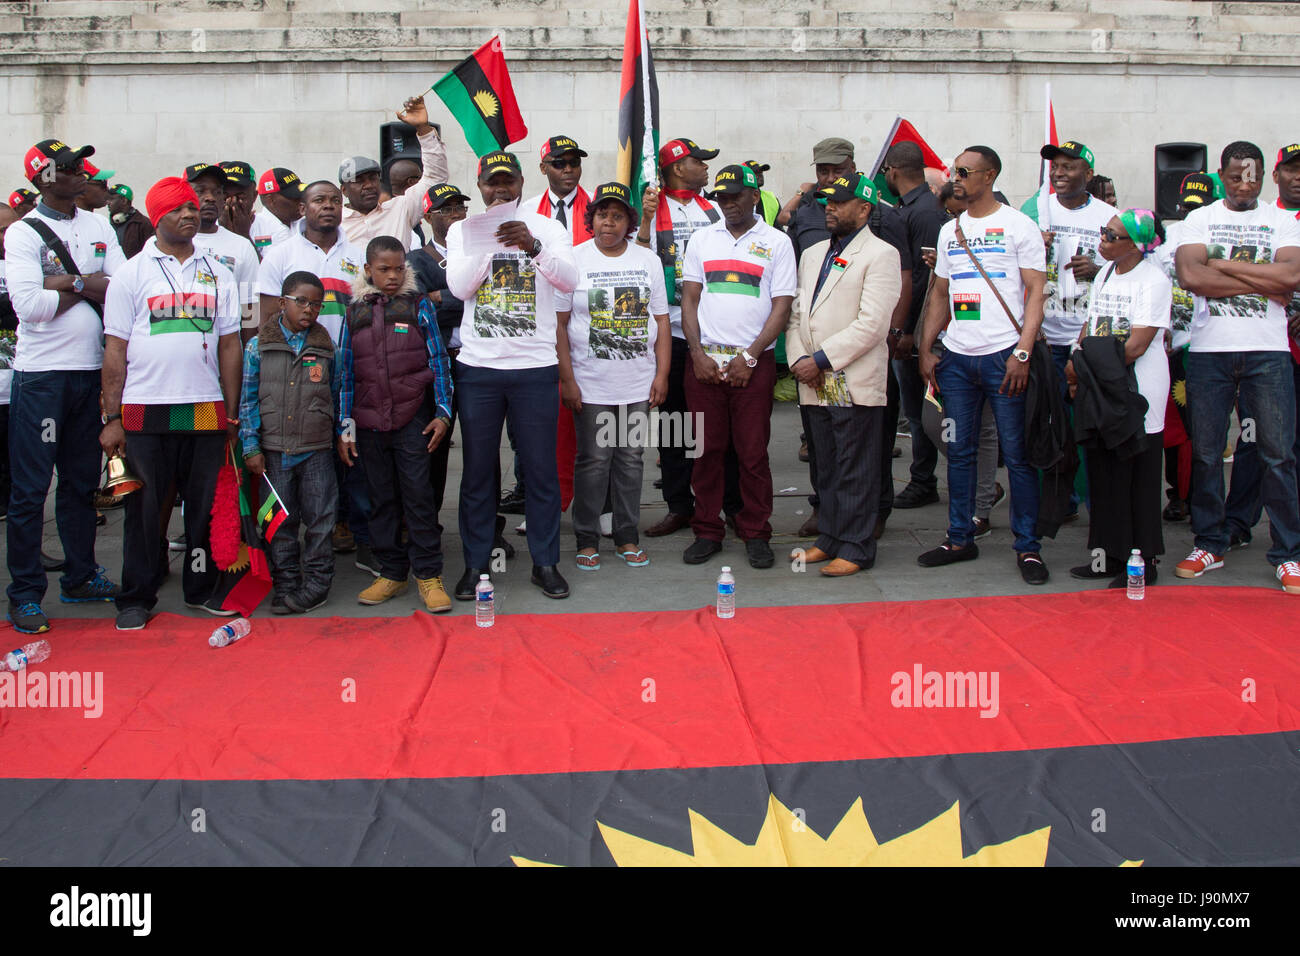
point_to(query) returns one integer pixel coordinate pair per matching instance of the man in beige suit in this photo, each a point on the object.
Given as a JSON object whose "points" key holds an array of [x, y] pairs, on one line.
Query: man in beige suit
{"points": [[848, 287]]}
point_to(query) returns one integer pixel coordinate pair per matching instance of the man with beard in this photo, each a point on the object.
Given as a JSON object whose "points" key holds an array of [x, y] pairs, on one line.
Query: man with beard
{"points": [[233, 251], [364, 216], [848, 287]]}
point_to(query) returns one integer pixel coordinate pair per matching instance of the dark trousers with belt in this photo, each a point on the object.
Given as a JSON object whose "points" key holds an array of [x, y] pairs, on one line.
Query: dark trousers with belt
{"points": [[741, 417], [849, 442], [397, 480], [888, 426], [530, 399], [676, 467], [53, 426], [167, 463]]}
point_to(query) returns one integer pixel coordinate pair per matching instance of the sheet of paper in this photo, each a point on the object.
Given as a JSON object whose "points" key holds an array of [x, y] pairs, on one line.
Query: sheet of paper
{"points": [[479, 233], [1066, 283]]}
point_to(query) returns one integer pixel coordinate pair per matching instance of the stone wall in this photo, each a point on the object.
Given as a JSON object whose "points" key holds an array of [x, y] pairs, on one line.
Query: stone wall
{"points": [[156, 84]]}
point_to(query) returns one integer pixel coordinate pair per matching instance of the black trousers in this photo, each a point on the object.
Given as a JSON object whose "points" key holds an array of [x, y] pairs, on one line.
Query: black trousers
{"points": [[1125, 510], [675, 466], [849, 441], [167, 463], [888, 429], [397, 480]]}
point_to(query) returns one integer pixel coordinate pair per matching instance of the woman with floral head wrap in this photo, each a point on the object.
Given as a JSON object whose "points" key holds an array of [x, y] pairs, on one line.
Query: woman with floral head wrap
{"points": [[1130, 300]]}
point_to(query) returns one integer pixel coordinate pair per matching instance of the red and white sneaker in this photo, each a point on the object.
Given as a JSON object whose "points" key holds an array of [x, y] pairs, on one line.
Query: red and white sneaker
{"points": [[1197, 563], [1289, 574]]}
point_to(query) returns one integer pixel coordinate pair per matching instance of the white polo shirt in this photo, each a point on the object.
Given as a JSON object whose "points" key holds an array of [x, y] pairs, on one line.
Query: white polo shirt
{"points": [[72, 341], [167, 311], [268, 231], [740, 277], [509, 298], [336, 267]]}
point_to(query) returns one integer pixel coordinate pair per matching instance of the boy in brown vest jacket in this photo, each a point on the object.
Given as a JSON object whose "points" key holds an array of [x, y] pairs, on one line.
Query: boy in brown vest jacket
{"points": [[286, 412], [391, 357]]}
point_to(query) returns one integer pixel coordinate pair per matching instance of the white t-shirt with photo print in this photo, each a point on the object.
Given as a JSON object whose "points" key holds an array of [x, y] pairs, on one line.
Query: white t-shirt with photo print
{"points": [[1184, 303], [1005, 242], [1075, 232], [1240, 323], [1139, 298], [612, 329]]}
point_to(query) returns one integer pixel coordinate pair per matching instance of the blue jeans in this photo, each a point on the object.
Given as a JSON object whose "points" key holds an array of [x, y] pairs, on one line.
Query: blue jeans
{"points": [[965, 383], [53, 426], [1262, 386], [530, 399], [1245, 503]]}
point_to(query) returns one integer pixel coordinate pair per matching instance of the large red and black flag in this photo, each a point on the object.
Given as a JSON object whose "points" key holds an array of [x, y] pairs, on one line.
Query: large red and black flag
{"points": [[1039, 730], [902, 132], [638, 109], [478, 92]]}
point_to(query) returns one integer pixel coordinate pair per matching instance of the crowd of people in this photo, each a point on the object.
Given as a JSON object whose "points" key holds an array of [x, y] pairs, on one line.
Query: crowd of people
{"points": [[337, 338]]}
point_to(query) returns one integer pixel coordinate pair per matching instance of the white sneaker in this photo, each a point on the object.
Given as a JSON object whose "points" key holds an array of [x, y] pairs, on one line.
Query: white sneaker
{"points": [[607, 524], [523, 528]]}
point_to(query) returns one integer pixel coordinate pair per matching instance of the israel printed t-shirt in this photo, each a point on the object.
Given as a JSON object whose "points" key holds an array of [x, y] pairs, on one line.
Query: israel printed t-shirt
{"points": [[1076, 232], [740, 278], [336, 268], [1005, 242], [1140, 297], [1240, 323], [168, 311], [510, 302], [612, 329]]}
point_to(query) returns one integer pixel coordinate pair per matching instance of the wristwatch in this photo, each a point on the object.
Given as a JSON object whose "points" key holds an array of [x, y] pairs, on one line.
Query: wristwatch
{"points": [[78, 284], [109, 419], [749, 359], [896, 333], [536, 250], [1021, 355]]}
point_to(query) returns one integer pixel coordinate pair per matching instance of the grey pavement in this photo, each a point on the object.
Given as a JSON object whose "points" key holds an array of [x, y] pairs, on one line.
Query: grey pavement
{"points": [[670, 584]]}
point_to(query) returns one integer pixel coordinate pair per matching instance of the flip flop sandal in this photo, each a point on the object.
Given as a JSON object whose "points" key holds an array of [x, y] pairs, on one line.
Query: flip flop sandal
{"points": [[587, 562], [627, 556]]}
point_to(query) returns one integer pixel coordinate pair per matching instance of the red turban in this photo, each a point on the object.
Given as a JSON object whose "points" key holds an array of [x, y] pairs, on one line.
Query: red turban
{"points": [[168, 194]]}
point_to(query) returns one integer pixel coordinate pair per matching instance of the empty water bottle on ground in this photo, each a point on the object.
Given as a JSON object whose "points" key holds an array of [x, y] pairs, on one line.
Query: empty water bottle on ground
{"points": [[1137, 576], [484, 605], [32, 653], [726, 594], [229, 633]]}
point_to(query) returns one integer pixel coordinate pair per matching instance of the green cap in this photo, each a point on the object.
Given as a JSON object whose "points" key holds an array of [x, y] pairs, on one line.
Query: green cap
{"points": [[855, 186], [123, 191], [732, 179], [1071, 149]]}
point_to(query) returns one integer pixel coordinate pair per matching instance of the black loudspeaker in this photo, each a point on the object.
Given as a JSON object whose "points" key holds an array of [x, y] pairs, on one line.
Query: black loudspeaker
{"points": [[397, 141], [1173, 162]]}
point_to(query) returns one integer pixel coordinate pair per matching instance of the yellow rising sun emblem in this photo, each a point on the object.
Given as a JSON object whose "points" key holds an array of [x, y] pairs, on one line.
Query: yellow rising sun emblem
{"points": [[486, 103], [785, 840]]}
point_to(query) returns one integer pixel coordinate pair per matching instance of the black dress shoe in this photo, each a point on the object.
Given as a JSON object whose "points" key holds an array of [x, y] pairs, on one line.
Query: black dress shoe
{"points": [[668, 524], [760, 553], [549, 579], [512, 503], [947, 554], [1086, 572], [701, 550], [915, 496], [467, 583]]}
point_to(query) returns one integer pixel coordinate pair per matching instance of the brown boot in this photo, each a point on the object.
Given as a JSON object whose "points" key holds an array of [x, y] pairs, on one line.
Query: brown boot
{"points": [[668, 524]]}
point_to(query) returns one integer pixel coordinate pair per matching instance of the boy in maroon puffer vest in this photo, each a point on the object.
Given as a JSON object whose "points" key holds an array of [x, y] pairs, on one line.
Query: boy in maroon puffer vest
{"points": [[391, 357]]}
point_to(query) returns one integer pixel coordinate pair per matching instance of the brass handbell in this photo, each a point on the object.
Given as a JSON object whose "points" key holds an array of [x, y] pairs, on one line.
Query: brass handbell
{"points": [[120, 480]]}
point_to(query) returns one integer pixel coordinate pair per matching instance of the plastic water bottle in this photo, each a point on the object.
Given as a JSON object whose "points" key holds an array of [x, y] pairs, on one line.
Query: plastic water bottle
{"points": [[32, 653], [726, 594], [485, 614], [229, 633], [1137, 576]]}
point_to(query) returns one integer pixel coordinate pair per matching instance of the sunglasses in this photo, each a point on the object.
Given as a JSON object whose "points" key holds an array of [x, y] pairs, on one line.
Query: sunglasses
{"points": [[565, 163], [1111, 236], [307, 305], [964, 171]]}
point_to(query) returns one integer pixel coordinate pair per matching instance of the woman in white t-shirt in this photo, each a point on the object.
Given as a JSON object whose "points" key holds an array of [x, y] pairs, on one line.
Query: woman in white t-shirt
{"points": [[1130, 299], [615, 347]]}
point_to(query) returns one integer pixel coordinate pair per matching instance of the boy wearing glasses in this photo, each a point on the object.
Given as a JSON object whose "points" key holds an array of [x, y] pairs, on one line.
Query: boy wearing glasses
{"points": [[286, 414]]}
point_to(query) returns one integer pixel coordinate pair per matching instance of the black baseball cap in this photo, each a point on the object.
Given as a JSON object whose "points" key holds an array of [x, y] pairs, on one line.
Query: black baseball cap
{"points": [[277, 179], [756, 166], [439, 194], [53, 151], [1071, 149], [733, 179], [499, 162], [680, 149], [557, 145], [20, 196], [1197, 190], [1286, 154], [192, 173], [615, 191], [238, 172]]}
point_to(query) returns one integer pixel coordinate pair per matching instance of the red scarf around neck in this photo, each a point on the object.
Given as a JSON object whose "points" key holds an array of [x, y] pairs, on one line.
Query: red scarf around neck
{"points": [[577, 214]]}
